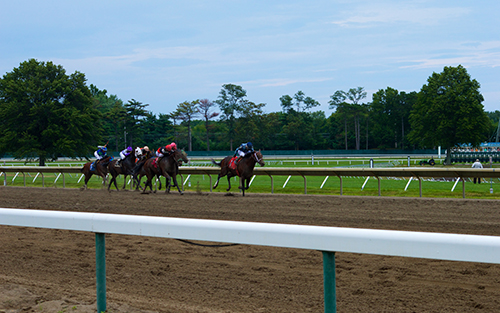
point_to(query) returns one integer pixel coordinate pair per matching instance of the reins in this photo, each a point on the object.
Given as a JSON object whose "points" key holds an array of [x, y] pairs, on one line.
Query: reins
{"points": [[256, 157]]}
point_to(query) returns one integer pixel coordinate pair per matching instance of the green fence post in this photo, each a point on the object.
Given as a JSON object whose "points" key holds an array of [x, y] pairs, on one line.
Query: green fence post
{"points": [[100, 261], [330, 293]]}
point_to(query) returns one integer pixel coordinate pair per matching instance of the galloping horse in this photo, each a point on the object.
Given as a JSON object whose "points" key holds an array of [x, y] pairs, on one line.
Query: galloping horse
{"points": [[124, 168], [244, 169], [101, 169], [167, 166], [173, 169]]}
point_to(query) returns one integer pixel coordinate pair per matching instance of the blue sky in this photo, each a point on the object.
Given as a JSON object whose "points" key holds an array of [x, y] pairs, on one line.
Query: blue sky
{"points": [[162, 53]]}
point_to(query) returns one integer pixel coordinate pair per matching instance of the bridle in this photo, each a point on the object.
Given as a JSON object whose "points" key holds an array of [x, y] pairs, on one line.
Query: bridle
{"points": [[256, 157]]}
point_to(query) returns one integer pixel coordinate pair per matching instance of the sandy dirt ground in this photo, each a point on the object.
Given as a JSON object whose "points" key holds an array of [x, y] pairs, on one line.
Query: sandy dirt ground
{"points": [[54, 271]]}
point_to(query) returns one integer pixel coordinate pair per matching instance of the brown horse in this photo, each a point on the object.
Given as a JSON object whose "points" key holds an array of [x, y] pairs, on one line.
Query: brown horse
{"points": [[167, 166], [101, 169], [244, 169], [124, 168], [173, 169]]}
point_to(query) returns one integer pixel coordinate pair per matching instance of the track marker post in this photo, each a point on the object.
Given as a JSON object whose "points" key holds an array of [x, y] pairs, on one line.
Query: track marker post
{"points": [[330, 292], [100, 261]]}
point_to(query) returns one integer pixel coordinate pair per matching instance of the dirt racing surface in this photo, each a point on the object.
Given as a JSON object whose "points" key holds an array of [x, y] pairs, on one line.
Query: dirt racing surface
{"points": [[54, 271]]}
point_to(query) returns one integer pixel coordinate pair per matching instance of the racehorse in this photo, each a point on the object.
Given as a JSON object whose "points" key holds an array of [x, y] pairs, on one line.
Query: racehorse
{"points": [[244, 169], [101, 169], [167, 166], [124, 168]]}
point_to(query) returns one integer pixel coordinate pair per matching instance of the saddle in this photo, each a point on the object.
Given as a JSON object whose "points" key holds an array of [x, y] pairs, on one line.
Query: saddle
{"points": [[232, 163]]}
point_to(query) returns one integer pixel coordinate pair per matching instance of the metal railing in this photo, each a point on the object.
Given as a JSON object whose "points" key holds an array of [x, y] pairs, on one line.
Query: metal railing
{"points": [[329, 240], [416, 173]]}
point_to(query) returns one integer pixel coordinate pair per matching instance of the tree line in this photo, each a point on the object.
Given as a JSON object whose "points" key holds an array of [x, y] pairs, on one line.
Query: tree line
{"points": [[48, 114]]}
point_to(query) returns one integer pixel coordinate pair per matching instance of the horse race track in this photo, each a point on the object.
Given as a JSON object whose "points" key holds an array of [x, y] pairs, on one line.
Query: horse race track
{"points": [[54, 271]]}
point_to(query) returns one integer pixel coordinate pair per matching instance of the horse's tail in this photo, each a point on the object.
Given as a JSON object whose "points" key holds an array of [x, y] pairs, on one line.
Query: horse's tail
{"points": [[215, 163]]}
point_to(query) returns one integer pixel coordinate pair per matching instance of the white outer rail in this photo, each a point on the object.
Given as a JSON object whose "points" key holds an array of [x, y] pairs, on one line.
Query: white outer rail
{"points": [[454, 247]]}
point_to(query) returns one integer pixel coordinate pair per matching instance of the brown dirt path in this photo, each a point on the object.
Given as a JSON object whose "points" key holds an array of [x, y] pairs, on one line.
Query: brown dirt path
{"points": [[52, 270]]}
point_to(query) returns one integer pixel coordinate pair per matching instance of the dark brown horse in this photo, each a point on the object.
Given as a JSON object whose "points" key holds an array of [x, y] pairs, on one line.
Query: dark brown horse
{"points": [[124, 168], [101, 169], [244, 169], [167, 166]]}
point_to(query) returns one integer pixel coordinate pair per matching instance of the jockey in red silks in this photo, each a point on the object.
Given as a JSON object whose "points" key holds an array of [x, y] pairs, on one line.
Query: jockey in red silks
{"points": [[167, 150]]}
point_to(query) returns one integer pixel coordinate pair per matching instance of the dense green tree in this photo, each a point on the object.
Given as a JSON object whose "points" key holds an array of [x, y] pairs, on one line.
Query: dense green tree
{"points": [[46, 114], [134, 122], [348, 105], [250, 120], [205, 109], [494, 132], [114, 114], [449, 111], [298, 124], [299, 102], [229, 101], [389, 116], [270, 135], [186, 111]]}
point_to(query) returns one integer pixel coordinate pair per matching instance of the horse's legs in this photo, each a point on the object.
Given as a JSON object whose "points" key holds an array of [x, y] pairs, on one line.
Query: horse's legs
{"points": [[124, 181], [228, 182], [168, 184], [87, 178], [217, 182], [113, 181], [174, 178], [242, 186], [148, 183]]}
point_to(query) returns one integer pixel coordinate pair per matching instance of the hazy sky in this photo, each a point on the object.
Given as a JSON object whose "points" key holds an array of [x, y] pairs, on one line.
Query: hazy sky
{"points": [[162, 53]]}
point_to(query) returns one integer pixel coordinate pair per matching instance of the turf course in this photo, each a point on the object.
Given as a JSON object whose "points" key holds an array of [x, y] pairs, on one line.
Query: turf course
{"points": [[355, 186]]}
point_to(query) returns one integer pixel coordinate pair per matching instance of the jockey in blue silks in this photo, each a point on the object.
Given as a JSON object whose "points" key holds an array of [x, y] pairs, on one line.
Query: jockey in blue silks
{"points": [[243, 150]]}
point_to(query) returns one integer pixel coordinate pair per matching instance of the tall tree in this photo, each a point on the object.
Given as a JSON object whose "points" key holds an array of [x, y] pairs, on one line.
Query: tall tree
{"points": [[298, 127], [204, 108], [46, 114], [299, 102], [114, 114], [247, 125], [390, 111], [449, 111], [352, 109], [186, 111], [136, 113], [229, 101]]}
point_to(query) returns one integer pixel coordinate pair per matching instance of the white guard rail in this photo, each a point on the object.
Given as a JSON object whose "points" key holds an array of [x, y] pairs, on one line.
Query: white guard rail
{"points": [[454, 247]]}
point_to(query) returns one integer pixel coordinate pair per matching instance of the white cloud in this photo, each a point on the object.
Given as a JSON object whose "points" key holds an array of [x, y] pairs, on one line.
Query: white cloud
{"points": [[477, 54], [280, 82], [398, 13]]}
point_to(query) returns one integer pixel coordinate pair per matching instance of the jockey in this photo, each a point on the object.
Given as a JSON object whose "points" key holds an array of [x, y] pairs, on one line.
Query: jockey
{"points": [[123, 154], [243, 150], [142, 154], [167, 150], [146, 152], [100, 153]]}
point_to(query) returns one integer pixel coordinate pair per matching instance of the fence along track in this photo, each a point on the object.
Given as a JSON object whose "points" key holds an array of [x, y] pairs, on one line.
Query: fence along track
{"points": [[329, 240], [408, 172]]}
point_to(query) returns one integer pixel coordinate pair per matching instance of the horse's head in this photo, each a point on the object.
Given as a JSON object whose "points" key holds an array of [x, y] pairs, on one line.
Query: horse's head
{"points": [[138, 152], [180, 156], [258, 158]]}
